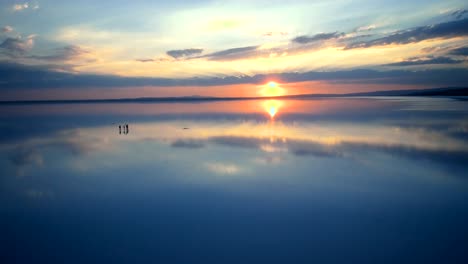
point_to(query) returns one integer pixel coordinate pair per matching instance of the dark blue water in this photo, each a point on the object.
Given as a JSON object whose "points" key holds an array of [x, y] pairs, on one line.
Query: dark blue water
{"points": [[344, 180]]}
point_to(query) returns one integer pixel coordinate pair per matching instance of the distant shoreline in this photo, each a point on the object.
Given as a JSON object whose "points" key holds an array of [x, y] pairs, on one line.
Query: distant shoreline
{"points": [[443, 92]]}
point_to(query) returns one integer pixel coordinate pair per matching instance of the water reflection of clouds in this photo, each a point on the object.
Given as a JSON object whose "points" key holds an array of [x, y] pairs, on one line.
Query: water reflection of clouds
{"points": [[221, 168], [26, 121], [438, 138], [188, 143], [324, 140], [77, 142], [22, 157], [327, 176]]}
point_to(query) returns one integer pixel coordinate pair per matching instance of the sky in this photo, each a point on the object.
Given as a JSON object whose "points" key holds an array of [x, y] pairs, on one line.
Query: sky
{"points": [[113, 49]]}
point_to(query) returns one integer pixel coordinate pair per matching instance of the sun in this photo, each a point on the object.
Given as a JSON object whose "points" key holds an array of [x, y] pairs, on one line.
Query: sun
{"points": [[272, 89], [272, 84]]}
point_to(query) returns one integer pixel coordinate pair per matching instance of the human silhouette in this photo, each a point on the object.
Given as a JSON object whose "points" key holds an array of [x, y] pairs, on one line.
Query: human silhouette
{"points": [[120, 129], [126, 127]]}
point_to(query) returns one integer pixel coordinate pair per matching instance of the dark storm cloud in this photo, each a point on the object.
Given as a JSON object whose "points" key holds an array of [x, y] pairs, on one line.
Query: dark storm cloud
{"points": [[184, 53], [234, 53], [425, 61], [34, 77], [459, 51], [446, 30], [318, 37]]}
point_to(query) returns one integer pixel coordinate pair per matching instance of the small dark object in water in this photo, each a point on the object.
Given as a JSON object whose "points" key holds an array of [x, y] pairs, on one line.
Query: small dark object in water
{"points": [[186, 128]]}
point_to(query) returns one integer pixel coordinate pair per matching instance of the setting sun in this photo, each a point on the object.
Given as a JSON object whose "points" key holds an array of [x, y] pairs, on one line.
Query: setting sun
{"points": [[272, 89]]}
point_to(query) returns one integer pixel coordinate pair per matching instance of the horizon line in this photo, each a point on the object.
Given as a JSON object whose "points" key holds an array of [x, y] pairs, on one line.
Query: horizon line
{"points": [[446, 91]]}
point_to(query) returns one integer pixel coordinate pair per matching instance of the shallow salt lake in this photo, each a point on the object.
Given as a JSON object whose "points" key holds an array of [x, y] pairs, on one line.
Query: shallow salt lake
{"points": [[326, 180]]}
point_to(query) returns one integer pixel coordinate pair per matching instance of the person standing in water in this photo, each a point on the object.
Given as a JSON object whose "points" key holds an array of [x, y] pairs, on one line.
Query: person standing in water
{"points": [[120, 129]]}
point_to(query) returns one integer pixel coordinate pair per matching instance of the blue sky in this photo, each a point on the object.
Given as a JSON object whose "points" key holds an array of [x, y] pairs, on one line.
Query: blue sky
{"points": [[61, 45]]}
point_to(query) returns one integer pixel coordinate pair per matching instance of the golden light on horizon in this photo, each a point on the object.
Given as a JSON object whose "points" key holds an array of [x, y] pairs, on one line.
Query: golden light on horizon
{"points": [[272, 89]]}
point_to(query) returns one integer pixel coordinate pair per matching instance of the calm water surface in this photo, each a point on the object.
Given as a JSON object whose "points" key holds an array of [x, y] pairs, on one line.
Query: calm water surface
{"points": [[344, 180]]}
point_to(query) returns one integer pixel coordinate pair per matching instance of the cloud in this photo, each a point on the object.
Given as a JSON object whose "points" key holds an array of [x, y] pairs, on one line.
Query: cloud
{"points": [[446, 30], [24, 6], [145, 60], [18, 45], [318, 37], [233, 54], [184, 53], [463, 51], [34, 77], [20, 7], [432, 49], [7, 29], [429, 77], [425, 61], [63, 54], [460, 13], [366, 28], [274, 33]]}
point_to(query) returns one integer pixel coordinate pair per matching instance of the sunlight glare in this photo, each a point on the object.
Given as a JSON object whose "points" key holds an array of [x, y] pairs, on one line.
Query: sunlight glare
{"points": [[272, 107], [272, 89]]}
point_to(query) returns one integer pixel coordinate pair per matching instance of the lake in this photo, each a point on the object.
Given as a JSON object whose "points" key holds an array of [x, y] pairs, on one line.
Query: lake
{"points": [[324, 180]]}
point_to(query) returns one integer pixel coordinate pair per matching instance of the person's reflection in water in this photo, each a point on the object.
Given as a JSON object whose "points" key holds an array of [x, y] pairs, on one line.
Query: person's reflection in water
{"points": [[124, 128]]}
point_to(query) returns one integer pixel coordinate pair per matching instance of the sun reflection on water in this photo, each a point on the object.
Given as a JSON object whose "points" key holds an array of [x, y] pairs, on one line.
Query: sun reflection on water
{"points": [[272, 107]]}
